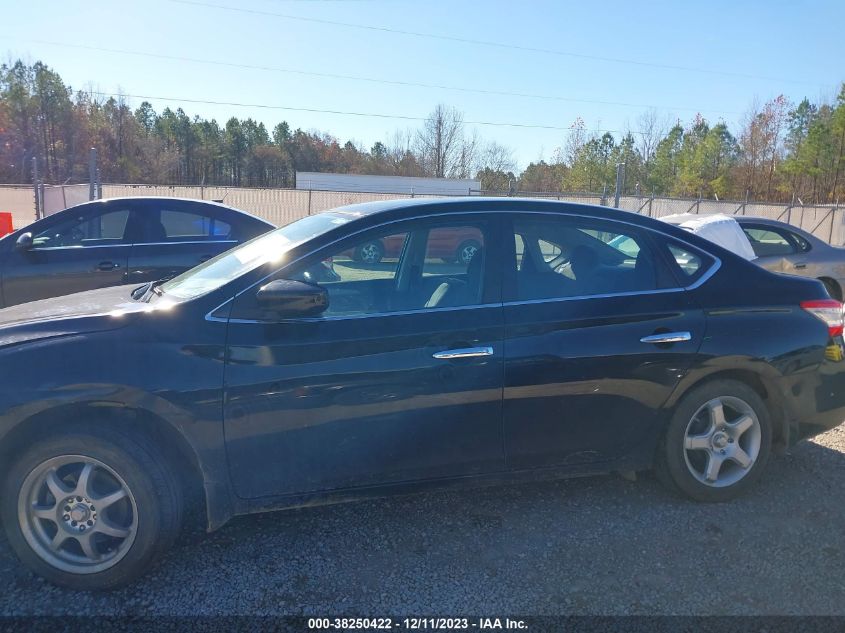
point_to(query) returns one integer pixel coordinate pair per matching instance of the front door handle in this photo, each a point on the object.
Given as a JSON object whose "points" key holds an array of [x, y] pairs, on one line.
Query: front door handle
{"points": [[466, 352], [667, 337], [107, 266], [800, 265]]}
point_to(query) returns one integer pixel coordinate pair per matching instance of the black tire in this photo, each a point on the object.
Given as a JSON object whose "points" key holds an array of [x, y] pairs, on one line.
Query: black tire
{"points": [[154, 491], [832, 288], [673, 464], [462, 254], [369, 252]]}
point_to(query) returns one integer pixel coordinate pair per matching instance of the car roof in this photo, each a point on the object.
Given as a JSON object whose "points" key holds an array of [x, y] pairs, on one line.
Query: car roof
{"points": [[457, 204], [210, 203], [368, 213], [745, 219]]}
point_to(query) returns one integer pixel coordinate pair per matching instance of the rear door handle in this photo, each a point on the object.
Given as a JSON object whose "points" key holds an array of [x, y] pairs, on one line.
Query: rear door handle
{"points": [[800, 265], [466, 352], [667, 337], [107, 266]]}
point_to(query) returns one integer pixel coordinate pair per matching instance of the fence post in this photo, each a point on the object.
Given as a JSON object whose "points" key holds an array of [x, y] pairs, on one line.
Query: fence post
{"points": [[92, 173], [620, 174], [603, 200], [309, 202], [650, 202], [36, 191], [745, 204]]}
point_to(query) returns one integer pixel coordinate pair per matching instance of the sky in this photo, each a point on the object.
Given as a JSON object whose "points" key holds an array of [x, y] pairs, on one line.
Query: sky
{"points": [[606, 62]]}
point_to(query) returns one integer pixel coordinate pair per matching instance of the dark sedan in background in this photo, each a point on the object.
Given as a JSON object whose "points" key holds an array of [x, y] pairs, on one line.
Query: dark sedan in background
{"points": [[551, 352], [117, 241], [784, 248]]}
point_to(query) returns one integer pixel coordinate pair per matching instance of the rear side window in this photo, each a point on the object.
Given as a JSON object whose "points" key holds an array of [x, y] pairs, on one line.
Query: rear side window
{"points": [[581, 257], [186, 225], [768, 242]]}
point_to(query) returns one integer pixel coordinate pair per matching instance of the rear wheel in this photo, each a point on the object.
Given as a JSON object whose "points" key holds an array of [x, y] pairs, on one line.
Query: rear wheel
{"points": [[717, 443], [91, 510], [369, 253], [466, 251]]}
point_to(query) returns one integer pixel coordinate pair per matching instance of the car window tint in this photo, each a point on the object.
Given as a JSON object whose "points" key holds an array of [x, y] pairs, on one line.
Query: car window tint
{"points": [[803, 245], [177, 225], [767, 242], [571, 257], [688, 262], [421, 268], [449, 251], [98, 230]]}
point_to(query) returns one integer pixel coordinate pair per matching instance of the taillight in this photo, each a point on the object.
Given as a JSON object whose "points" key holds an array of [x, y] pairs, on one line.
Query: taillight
{"points": [[827, 310]]}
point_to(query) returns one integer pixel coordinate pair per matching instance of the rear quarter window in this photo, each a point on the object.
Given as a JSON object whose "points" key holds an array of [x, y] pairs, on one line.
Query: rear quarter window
{"points": [[688, 264]]}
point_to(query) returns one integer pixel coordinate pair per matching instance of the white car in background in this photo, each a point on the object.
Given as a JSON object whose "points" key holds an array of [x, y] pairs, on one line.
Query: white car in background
{"points": [[719, 229]]}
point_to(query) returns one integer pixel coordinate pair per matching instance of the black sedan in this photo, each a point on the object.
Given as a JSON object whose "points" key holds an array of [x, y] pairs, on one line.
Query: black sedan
{"points": [[117, 241], [548, 353]]}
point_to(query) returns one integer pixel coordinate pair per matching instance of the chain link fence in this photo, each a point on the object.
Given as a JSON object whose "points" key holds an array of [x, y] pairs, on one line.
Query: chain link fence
{"points": [[282, 206]]}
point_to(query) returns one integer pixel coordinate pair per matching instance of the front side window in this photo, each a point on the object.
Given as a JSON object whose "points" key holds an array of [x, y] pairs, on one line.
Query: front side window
{"points": [[417, 265], [101, 229], [579, 257]]}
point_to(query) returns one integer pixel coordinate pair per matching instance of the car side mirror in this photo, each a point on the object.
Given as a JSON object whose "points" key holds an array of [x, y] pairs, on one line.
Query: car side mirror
{"points": [[288, 298], [24, 242]]}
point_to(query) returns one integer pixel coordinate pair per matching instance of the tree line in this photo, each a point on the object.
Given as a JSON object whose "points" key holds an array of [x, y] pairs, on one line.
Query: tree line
{"points": [[780, 150]]}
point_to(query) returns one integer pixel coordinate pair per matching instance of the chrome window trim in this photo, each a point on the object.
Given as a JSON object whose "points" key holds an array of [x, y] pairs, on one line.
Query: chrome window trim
{"points": [[80, 247], [714, 267], [349, 317], [185, 242], [125, 244]]}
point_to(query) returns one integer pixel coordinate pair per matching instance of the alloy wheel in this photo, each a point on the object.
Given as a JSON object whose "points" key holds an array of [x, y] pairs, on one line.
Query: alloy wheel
{"points": [[467, 252], [77, 514], [722, 441], [370, 253]]}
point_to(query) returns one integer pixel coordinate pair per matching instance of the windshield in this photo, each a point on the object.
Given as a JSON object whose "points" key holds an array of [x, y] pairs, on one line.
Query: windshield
{"points": [[268, 248]]}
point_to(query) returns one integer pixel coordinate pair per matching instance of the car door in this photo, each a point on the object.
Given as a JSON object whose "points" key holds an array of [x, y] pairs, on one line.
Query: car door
{"points": [[597, 335], [82, 249], [400, 380], [177, 235]]}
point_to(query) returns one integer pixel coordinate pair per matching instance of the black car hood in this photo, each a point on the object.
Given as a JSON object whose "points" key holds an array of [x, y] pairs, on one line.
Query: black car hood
{"points": [[72, 314]]}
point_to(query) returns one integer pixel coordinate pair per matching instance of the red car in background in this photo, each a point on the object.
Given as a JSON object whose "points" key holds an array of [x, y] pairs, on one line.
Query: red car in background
{"points": [[456, 245]]}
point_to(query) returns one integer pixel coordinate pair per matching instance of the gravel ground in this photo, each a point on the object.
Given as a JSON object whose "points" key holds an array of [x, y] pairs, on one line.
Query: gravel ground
{"points": [[585, 546]]}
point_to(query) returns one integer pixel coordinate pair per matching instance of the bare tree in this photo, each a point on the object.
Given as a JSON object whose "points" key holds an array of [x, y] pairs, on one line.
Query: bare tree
{"points": [[651, 128], [496, 157], [400, 154], [574, 142], [471, 148], [440, 142]]}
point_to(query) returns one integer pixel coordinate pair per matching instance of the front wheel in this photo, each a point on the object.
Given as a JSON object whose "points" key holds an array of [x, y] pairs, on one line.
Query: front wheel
{"points": [[92, 509], [717, 442]]}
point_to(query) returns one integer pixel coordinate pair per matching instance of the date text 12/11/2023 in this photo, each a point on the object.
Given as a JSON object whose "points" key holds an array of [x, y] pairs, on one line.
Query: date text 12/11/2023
{"points": [[417, 624]]}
